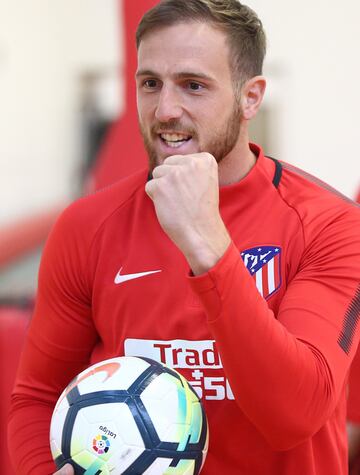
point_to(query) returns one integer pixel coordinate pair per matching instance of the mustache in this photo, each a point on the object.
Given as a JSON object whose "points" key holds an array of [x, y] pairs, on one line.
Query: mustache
{"points": [[173, 125]]}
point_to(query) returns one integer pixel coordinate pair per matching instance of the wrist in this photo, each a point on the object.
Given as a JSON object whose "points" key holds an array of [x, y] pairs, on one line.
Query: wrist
{"points": [[203, 254]]}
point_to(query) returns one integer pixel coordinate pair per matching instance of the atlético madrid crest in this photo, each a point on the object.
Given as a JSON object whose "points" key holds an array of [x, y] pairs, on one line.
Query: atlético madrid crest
{"points": [[263, 263]]}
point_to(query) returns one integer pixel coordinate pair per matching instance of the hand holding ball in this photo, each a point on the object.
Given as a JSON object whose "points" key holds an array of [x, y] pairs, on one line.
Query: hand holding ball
{"points": [[129, 415]]}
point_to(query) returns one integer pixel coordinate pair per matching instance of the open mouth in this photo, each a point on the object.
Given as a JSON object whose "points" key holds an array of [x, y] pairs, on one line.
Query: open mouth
{"points": [[175, 140]]}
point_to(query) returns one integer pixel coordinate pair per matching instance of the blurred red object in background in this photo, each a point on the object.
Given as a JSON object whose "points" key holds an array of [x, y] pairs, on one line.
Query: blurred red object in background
{"points": [[13, 325], [122, 152], [23, 236]]}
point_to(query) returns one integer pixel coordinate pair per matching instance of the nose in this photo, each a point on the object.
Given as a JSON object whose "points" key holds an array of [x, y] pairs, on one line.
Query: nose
{"points": [[168, 106]]}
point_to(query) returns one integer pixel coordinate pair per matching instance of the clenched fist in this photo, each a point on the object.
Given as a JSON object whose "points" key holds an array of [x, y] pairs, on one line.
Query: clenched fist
{"points": [[185, 192]]}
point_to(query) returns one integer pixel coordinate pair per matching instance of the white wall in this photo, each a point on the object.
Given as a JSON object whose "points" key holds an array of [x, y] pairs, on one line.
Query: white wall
{"points": [[44, 48], [313, 66], [313, 94]]}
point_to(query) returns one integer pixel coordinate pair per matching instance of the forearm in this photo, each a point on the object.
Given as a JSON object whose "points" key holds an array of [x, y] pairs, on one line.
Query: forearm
{"points": [[282, 384], [28, 437], [40, 380], [285, 389]]}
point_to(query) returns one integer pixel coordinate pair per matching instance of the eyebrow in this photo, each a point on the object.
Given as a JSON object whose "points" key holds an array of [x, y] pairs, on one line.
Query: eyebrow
{"points": [[181, 75]]}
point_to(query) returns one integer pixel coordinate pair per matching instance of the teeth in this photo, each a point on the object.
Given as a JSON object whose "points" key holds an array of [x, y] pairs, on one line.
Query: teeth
{"points": [[174, 137], [175, 144]]}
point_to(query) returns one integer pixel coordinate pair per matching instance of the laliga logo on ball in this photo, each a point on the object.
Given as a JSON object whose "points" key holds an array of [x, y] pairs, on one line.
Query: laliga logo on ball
{"points": [[101, 444], [129, 415]]}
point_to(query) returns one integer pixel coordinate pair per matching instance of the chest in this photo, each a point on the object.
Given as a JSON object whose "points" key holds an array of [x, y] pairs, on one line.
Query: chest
{"points": [[141, 280]]}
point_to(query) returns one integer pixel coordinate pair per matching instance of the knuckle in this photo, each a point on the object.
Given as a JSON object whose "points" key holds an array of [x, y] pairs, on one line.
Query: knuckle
{"points": [[150, 187], [156, 172], [210, 158], [206, 159], [172, 159], [176, 174]]}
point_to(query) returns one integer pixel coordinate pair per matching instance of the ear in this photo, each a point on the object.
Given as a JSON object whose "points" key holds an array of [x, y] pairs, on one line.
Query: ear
{"points": [[252, 95]]}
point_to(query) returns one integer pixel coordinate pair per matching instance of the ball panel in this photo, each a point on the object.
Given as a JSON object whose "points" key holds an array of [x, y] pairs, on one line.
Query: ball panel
{"points": [[89, 462], [159, 466], [62, 404], [124, 459], [161, 401], [112, 374], [184, 467], [196, 422], [55, 448], [56, 427], [97, 428]]}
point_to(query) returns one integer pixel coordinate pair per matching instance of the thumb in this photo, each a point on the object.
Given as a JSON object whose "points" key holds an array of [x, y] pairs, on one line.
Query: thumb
{"points": [[150, 188], [65, 470]]}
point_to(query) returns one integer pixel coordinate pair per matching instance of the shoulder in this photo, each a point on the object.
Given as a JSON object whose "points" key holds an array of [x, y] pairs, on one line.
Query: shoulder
{"points": [[80, 222], [68, 247], [310, 195], [314, 186], [94, 209], [319, 206]]}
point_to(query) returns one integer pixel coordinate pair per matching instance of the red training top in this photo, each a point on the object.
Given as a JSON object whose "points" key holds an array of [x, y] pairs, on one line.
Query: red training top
{"points": [[353, 406], [266, 336]]}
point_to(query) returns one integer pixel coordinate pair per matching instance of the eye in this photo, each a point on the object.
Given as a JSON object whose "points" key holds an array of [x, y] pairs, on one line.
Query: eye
{"points": [[195, 86], [150, 83]]}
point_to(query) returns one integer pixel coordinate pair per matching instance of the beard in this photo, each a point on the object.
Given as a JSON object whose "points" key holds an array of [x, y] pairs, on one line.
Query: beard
{"points": [[221, 142]]}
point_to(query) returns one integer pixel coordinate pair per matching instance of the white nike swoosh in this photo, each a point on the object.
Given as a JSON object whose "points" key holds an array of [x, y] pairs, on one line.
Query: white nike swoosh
{"points": [[120, 278]]}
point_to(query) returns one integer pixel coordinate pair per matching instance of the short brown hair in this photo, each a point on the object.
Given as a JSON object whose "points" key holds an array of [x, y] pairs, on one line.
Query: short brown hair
{"points": [[244, 30]]}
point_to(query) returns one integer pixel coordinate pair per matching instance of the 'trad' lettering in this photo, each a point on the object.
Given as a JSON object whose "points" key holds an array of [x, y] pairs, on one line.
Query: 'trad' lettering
{"points": [[198, 360], [177, 353]]}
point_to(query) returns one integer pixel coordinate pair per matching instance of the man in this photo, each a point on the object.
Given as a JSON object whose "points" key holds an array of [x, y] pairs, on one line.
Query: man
{"points": [[240, 271]]}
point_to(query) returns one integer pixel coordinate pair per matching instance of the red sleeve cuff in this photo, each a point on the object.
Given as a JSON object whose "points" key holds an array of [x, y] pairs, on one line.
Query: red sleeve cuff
{"points": [[210, 285]]}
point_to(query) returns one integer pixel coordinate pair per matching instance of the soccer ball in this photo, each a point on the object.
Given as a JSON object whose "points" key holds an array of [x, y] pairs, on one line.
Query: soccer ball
{"points": [[129, 415]]}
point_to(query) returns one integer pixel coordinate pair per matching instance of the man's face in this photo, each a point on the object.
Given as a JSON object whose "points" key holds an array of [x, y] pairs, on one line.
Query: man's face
{"points": [[185, 94]]}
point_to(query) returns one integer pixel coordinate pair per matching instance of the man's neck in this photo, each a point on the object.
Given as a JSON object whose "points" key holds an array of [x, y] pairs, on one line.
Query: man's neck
{"points": [[235, 166]]}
